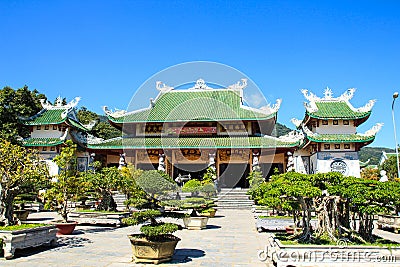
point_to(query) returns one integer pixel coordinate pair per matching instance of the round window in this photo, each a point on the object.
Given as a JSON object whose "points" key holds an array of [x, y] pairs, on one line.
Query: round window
{"points": [[339, 166]]}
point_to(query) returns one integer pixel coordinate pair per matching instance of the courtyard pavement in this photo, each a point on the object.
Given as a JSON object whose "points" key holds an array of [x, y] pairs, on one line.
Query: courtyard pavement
{"points": [[230, 239]]}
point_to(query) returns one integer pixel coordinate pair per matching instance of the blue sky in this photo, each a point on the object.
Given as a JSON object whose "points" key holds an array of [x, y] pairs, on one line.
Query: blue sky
{"points": [[104, 50]]}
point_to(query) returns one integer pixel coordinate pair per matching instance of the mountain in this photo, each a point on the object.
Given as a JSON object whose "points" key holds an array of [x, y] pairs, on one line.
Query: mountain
{"points": [[372, 153], [281, 129]]}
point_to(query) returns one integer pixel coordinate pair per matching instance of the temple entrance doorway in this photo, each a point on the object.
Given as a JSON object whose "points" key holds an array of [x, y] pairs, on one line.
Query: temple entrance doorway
{"points": [[233, 175], [196, 171]]}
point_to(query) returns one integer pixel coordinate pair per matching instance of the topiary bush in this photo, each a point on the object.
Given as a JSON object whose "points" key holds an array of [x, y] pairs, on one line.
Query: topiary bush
{"points": [[193, 186]]}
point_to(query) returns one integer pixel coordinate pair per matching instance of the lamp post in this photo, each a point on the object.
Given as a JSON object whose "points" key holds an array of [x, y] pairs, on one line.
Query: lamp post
{"points": [[395, 95]]}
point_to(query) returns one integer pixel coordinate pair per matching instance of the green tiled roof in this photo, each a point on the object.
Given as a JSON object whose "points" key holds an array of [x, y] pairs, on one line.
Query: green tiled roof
{"points": [[336, 110], [192, 142], [46, 116], [77, 124], [186, 105], [42, 141], [340, 138]]}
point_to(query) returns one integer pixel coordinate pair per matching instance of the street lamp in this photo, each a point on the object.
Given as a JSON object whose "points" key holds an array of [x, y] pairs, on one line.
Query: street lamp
{"points": [[395, 95]]}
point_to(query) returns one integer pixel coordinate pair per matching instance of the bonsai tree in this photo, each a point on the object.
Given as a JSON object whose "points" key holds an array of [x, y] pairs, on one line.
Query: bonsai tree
{"points": [[102, 182], [193, 186], [20, 170], [157, 185], [69, 184], [136, 196]]}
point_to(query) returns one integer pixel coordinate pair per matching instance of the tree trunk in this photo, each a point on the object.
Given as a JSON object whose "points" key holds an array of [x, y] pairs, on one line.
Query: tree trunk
{"points": [[306, 204], [328, 213], [6, 206], [366, 226]]}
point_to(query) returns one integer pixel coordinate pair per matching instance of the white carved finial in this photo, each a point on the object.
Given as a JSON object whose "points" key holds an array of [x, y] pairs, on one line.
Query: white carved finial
{"points": [[277, 105], [73, 103], [296, 122], [374, 130], [91, 124], [268, 109], [65, 134], [311, 107], [328, 94], [240, 85], [162, 87], [200, 85], [58, 101], [367, 106]]}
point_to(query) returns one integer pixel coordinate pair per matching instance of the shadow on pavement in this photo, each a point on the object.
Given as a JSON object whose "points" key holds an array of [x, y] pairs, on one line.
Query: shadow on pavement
{"points": [[62, 243], [211, 226], [183, 255]]}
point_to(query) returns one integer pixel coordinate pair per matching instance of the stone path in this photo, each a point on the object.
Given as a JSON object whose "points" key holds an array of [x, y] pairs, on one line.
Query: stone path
{"points": [[231, 239]]}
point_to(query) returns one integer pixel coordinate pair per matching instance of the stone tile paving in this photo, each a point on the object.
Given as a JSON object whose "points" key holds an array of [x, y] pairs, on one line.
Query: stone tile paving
{"points": [[230, 240]]}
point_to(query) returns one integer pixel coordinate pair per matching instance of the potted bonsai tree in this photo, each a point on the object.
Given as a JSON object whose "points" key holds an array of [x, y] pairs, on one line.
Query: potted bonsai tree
{"points": [[195, 220], [67, 187], [155, 243]]}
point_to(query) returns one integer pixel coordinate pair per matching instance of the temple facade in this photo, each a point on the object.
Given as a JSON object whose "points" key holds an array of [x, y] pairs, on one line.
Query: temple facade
{"points": [[185, 131]]}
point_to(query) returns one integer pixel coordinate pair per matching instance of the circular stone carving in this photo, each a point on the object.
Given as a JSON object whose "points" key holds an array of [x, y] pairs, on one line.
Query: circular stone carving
{"points": [[339, 166]]}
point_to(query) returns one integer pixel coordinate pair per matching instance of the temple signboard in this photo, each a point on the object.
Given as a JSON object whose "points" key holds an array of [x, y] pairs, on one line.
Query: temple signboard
{"points": [[192, 130]]}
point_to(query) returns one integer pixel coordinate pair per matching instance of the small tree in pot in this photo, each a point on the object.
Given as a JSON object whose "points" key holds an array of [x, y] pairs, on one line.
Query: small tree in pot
{"points": [[67, 188], [156, 243]]}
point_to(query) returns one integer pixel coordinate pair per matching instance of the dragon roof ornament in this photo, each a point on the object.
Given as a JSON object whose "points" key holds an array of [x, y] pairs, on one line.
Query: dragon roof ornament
{"points": [[116, 114], [374, 130], [307, 131], [292, 136], [240, 85], [268, 109], [47, 105], [367, 106], [162, 87], [296, 122]]}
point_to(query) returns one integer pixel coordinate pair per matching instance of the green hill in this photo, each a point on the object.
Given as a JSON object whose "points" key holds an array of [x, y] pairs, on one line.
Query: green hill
{"points": [[372, 153]]}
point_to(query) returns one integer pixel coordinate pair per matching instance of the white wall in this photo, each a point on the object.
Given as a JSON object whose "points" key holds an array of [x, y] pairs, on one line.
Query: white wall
{"points": [[46, 133], [336, 129]]}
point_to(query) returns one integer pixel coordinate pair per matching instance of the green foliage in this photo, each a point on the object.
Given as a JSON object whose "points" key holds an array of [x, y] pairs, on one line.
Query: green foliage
{"points": [[208, 190], [14, 103], [69, 185], [20, 172], [255, 179], [390, 166], [102, 128], [280, 129], [192, 186], [152, 231], [155, 229], [156, 183], [370, 174], [22, 227], [209, 176]]}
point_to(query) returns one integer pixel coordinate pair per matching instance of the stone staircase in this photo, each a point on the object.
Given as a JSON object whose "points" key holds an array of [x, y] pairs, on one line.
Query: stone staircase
{"points": [[235, 198], [119, 199]]}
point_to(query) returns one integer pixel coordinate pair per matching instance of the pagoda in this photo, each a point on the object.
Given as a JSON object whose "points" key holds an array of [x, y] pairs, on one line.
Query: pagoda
{"points": [[51, 127], [185, 131], [331, 140]]}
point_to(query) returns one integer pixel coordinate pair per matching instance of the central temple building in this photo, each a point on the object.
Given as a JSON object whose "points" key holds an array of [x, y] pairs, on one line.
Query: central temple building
{"points": [[183, 132]]}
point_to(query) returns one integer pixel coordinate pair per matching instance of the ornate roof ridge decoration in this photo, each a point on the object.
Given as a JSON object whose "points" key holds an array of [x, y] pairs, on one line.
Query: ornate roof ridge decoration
{"points": [[116, 113], [366, 108], [293, 136], [296, 122], [373, 131], [162, 87], [47, 105], [328, 95], [268, 109], [240, 85], [200, 85]]}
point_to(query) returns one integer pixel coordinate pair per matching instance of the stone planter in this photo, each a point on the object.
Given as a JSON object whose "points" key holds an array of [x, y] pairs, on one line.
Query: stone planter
{"points": [[22, 215], [145, 251], [82, 217], [389, 221], [65, 228], [210, 214], [26, 238], [325, 255], [195, 223]]}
